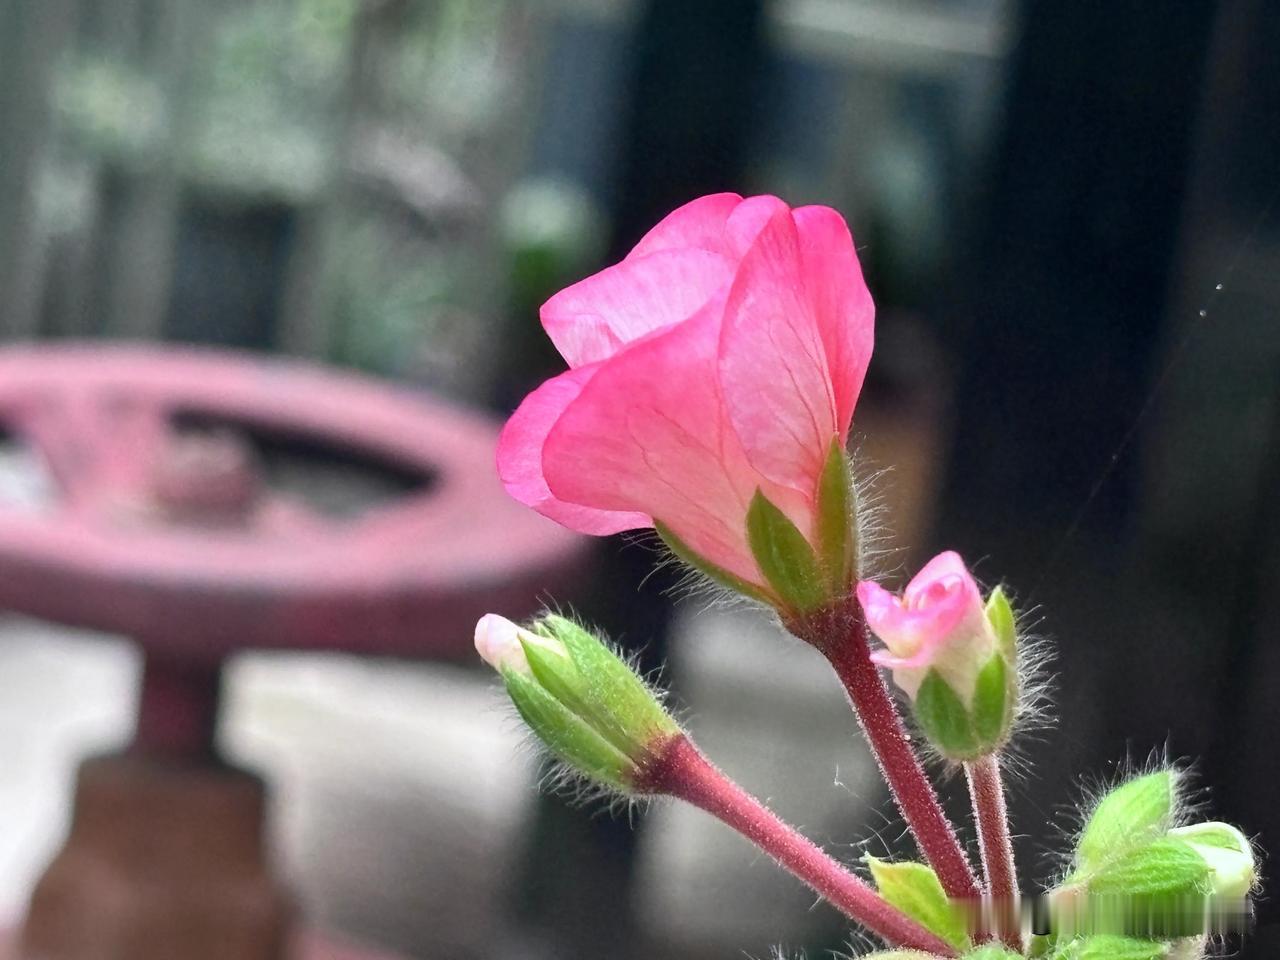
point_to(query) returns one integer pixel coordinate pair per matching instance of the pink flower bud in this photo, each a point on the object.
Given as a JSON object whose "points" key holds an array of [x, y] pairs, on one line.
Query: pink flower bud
{"points": [[722, 356], [939, 623], [498, 643]]}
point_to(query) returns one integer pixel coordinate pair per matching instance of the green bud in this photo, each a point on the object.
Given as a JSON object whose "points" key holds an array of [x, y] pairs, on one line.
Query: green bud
{"points": [[965, 698], [1228, 854], [579, 697], [915, 890]]}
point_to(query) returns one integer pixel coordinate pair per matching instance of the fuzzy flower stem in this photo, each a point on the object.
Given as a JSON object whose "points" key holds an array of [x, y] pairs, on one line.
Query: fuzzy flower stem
{"points": [[841, 636], [682, 771], [992, 818]]}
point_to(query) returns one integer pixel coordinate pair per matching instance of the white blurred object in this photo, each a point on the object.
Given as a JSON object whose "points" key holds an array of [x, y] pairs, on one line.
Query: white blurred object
{"points": [[769, 712]]}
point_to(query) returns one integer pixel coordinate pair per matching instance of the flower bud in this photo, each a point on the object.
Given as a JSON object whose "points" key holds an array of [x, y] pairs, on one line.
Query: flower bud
{"points": [[1227, 852], [1136, 875], [579, 697], [954, 656]]}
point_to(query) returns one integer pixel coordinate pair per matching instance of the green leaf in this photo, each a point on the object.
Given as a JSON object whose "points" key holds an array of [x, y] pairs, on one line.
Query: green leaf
{"points": [[837, 533], [1132, 814], [898, 955], [991, 703], [1000, 615], [914, 889], [565, 734], [944, 720], [784, 556], [709, 569]]}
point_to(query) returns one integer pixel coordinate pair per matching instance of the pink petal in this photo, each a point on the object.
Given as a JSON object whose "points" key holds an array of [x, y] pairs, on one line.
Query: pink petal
{"points": [[773, 363], [842, 303], [748, 219], [595, 317], [648, 433], [912, 637], [946, 566], [520, 450], [698, 224]]}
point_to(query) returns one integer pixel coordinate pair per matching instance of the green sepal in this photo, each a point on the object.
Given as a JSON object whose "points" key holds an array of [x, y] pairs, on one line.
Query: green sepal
{"points": [[991, 703], [1132, 814], [944, 720], [721, 576], [1164, 866], [565, 734], [914, 889], [784, 556], [990, 951], [598, 685], [1111, 947], [1000, 616], [836, 526], [1154, 891]]}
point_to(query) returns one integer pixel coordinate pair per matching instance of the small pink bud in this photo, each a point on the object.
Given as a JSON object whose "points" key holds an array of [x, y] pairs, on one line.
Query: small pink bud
{"points": [[498, 643], [938, 623]]}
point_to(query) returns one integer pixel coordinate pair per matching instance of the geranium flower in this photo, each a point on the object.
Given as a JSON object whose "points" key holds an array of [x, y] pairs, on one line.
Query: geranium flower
{"points": [[722, 357]]}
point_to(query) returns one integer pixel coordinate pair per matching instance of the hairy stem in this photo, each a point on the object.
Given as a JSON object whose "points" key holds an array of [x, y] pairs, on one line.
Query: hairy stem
{"points": [[842, 638], [683, 772], [992, 818]]}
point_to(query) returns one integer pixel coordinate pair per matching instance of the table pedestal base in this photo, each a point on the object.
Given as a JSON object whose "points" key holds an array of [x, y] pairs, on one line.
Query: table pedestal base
{"points": [[165, 859]]}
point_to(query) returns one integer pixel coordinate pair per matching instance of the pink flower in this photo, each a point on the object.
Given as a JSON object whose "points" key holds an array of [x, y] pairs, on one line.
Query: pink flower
{"points": [[939, 623], [721, 356]]}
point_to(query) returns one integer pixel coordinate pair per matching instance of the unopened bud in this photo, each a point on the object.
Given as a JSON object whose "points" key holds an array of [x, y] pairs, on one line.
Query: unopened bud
{"points": [[579, 697], [954, 656], [1228, 854]]}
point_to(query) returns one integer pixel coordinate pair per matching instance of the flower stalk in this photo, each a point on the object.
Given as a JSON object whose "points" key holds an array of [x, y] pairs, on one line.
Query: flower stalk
{"points": [[992, 818], [842, 638], [683, 772]]}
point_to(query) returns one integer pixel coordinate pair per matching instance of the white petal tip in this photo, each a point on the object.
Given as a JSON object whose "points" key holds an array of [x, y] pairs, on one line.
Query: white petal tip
{"points": [[498, 643]]}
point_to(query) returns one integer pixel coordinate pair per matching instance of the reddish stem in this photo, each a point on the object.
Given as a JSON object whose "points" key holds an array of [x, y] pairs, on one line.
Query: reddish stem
{"points": [[683, 772], [992, 818], [842, 638]]}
